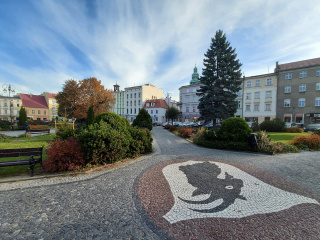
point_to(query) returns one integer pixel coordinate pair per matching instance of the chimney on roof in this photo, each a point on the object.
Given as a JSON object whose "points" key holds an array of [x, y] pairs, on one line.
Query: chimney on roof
{"points": [[30, 95]]}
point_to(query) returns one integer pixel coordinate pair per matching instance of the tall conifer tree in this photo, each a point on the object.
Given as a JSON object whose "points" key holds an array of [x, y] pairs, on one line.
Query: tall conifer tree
{"points": [[220, 80]]}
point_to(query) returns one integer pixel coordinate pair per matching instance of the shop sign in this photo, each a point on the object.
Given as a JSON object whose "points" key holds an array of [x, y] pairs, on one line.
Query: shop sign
{"points": [[299, 115]]}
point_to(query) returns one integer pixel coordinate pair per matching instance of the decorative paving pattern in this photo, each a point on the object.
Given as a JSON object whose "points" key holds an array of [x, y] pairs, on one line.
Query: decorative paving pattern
{"points": [[205, 199]]}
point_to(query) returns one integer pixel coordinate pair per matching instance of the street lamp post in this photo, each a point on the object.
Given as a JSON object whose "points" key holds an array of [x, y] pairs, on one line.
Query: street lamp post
{"points": [[10, 89]]}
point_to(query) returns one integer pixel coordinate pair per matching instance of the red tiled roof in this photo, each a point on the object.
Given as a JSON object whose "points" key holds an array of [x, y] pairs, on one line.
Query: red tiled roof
{"points": [[35, 101], [159, 103], [52, 95], [300, 64]]}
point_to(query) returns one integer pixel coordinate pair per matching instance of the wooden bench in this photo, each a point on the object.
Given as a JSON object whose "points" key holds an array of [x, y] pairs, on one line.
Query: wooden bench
{"points": [[39, 131], [34, 154]]}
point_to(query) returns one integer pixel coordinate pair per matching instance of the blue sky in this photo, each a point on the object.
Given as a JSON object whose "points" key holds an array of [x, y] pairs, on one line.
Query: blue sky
{"points": [[44, 42]]}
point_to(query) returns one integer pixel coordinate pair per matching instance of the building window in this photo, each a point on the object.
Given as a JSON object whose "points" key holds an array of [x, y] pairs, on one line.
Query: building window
{"points": [[194, 90], [257, 83], [151, 111], [249, 84], [135, 95], [131, 111], [239, 93], [135, 102], [302, 102], [317, 101], [194, 98], [44, 112], [18, 105], [318, 73], [268, 107], [156, 111], [33, 111], [187, 99], [302, 87], [269, 82], [127, 103], [187, 90], [317, 86], [139, 102], [287, 89], [256, 95], [287, 103], [268, 94], [187, 109], [248, 96], [135, 111], [303, 74], [256, 107], [247, 108], [239, 104], [127, 95], [288, 76], [131, 103], [194, 109]]}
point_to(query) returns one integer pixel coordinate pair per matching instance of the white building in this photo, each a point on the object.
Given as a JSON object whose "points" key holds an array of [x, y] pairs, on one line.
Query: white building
{"points": [[135, 98], [10, 107], [119, 106], [260, 98], [189, 100], [157, 109]]}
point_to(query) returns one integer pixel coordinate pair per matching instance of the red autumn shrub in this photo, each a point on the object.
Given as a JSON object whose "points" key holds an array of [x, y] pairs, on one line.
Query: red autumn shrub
{"points": [[172, 128], [312, 141], [185, 132], [64, 156], [32, 127]]}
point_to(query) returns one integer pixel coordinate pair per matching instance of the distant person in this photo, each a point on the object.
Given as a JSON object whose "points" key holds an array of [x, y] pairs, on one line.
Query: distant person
{"points": [[27, 126]]}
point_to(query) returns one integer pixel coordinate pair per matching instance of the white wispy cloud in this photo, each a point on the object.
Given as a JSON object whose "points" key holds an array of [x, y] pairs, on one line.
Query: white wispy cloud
{"points": [[158, 42]]}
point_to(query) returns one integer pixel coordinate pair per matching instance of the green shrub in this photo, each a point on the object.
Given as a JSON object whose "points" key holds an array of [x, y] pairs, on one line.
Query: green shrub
{"points": [[5, 125], [255, 127], [113, 119], [234, 129], [316, 132], [141, 141], [64, 131], [104, 144], [90, 116], [294, 130], [275, 125], [143, 120], [64, 156]]}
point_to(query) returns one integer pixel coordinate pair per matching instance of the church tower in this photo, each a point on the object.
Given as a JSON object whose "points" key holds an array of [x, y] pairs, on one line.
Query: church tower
{"points": [[195, 76]]}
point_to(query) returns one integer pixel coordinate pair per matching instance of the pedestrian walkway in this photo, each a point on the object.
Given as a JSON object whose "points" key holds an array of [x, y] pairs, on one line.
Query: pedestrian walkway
{"points": [[181, 191]]}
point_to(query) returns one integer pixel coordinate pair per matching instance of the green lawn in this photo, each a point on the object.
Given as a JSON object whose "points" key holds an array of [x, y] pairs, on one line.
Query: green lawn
{"points": [[285, 137], [27, 142]]}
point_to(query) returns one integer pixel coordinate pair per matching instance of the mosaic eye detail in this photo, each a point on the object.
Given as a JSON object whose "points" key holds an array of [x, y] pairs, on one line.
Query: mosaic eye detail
{"points": [[229, 187]]}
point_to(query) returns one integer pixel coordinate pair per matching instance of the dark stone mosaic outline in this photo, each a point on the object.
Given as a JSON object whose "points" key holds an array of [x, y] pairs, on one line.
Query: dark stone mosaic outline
{"points": [[263, 175]]}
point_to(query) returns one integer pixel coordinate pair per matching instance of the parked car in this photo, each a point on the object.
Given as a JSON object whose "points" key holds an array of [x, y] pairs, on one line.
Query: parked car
{"points": [[166, 123], [312, 127], [177, 124]]}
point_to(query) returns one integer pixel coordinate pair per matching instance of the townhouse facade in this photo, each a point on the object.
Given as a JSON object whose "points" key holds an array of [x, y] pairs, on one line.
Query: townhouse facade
{"points": [[135, 98], [119, 106], [36, 106], [299, 92], [52, 105], [259, 98], [157, 109], [189, 100], [10, 107]]}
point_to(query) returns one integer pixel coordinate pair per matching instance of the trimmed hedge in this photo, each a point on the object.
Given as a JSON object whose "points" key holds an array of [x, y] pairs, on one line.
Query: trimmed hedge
{"points": [[275, 125], [234, 129], [225, 145]]}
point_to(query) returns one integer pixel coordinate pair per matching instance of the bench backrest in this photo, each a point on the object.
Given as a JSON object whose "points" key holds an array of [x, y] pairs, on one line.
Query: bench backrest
{"points": [[20, 152]]}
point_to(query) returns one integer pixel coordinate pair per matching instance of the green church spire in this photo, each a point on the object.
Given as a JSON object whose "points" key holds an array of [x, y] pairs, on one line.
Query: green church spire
{"points": [[195, 76]]}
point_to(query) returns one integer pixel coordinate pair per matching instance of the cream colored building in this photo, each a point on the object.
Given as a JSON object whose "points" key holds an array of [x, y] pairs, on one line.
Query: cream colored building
{"points": [[52, 104], [118, 106], [135, 97], [260, 98], [10, 107]]}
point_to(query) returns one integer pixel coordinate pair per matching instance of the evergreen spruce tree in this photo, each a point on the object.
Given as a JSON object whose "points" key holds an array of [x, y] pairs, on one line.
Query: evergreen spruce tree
{"points": [[90, 116], [22, 116], [220, 80], [143, 120]]}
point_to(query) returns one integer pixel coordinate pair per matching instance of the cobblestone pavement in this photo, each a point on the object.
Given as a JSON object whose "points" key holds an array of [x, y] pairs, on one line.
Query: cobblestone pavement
{"points": [[130, 200]]}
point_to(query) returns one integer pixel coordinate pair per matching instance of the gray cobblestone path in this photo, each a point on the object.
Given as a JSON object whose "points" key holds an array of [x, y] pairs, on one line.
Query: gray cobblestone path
{"points": [[102, 206]]}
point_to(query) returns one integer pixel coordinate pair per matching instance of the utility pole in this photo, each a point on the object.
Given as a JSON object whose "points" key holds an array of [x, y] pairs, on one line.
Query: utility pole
{"points": [[10, 89]]}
